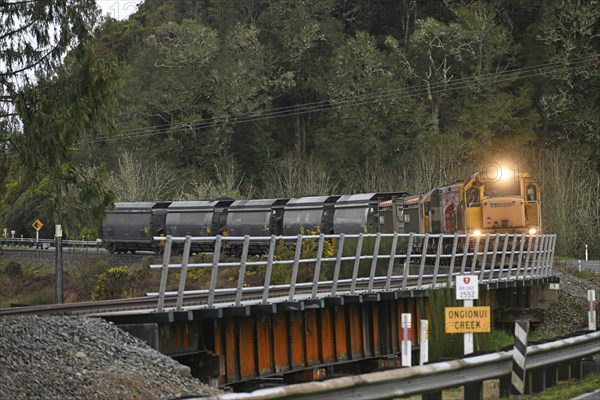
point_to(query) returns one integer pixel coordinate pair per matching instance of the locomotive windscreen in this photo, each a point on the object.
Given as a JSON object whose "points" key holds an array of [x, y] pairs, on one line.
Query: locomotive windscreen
{"points": [[502, 187]]}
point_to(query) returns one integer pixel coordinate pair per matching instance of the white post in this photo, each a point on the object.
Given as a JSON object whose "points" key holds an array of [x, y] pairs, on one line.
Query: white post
{"points": [[406, 340], [592, 305], [467, 290], [468, 337], [579, 265], [424, 342], [586, 252]]}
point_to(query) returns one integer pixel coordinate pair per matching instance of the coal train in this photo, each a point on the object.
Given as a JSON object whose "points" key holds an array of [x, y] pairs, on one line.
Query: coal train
{"points": [[502, 203]]}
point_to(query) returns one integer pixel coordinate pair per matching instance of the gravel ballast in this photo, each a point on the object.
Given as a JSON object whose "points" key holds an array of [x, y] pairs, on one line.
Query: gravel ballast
{"points": [[85, 358], [569, 314]]}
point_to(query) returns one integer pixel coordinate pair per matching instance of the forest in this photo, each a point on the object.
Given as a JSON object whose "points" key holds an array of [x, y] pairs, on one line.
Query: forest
{"points": [[198, 99]]}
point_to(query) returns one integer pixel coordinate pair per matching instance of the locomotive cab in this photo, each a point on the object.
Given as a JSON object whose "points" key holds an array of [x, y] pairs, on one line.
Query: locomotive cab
{"points": [[507, 203]]}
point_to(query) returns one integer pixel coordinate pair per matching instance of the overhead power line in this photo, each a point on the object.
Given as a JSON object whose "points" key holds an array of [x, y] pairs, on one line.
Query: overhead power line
{"points": [[349, 101]]}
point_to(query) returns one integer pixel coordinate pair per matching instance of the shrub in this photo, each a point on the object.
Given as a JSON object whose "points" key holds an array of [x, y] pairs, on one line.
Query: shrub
{"points": [[13, 268], [114, 283]]}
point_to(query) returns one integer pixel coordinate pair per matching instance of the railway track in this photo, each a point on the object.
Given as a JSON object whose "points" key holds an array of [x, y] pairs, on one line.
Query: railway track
{"points": [[223, 298]]}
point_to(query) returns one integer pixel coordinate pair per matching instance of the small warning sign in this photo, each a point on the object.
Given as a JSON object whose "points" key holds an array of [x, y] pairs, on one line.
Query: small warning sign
{"points": [[467, 319], [37, 225]]}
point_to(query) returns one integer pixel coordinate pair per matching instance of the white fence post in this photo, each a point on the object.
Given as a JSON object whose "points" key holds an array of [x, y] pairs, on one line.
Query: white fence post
{"points": [[406, 340], [468, 337], [424, 342]]}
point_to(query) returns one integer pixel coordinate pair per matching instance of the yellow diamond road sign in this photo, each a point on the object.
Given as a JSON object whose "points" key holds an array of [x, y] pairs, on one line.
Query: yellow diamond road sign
{"points": [[37, 225]]}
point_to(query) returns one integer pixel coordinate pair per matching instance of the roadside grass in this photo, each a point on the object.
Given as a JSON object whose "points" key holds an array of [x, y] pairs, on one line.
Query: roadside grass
{"points": [[568, 389], [564, 390], [583, 274]]}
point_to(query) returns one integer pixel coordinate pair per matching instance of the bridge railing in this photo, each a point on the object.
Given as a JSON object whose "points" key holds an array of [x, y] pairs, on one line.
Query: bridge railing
{"points": [[305, 267]]}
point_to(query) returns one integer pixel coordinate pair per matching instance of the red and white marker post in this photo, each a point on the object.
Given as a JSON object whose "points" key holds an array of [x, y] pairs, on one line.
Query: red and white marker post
{"points": [[406, 340], [592, 305], [586, 252]]}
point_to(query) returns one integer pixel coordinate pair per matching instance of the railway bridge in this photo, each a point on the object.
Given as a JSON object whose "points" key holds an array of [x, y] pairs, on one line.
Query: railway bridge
{"points": [[315, 306]]}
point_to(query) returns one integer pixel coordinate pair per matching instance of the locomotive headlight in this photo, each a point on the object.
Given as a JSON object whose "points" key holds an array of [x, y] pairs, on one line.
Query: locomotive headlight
{"points": [[477, 232], [532, 231]]}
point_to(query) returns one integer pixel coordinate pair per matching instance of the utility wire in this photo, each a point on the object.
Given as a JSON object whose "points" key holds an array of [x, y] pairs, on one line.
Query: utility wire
{"points": [[542, 68], [414, 91]]}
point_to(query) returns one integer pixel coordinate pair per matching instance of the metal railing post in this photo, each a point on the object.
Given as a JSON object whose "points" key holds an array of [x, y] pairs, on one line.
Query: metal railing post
{"points": [[294, 277], [164, 274], [541, 268], [541, 256], [484, 260], [356, 263], [525, 267], [463, 264], [406, 268], [512, 255], [534, 256], [423, 260], [548, 254], [183, 275], [374, 262], [552, 248], [452, 260], [215, 271], [338, 262], [388, 280], [242, 273], [493, 264], [475, 254], [269, 270], [437, 260], [520, 258], [503, 258], [318, 266]]}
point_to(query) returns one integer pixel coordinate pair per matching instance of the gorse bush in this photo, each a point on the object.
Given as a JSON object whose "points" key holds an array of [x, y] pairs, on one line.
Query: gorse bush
{"points": [[114, 283]]}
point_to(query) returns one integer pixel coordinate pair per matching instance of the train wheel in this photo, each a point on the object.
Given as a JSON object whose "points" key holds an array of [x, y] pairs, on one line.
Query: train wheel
{"points": [[111, 248]]}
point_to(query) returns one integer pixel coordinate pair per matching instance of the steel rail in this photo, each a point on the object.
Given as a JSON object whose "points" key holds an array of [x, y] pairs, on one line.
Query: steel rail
{"points": [[429, 378], [225, 297]]}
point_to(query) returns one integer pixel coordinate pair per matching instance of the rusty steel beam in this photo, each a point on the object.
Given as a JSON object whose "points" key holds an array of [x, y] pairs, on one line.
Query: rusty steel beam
{"points": [[353, 334]]}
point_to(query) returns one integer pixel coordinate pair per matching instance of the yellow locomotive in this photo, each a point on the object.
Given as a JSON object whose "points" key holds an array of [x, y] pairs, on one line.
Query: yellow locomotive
{"points": [[507, 201]]}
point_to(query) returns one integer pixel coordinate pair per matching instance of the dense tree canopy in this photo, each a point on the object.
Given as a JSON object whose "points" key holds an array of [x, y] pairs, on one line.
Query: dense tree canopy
{"points": [[297, 97], [55, 87]]}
